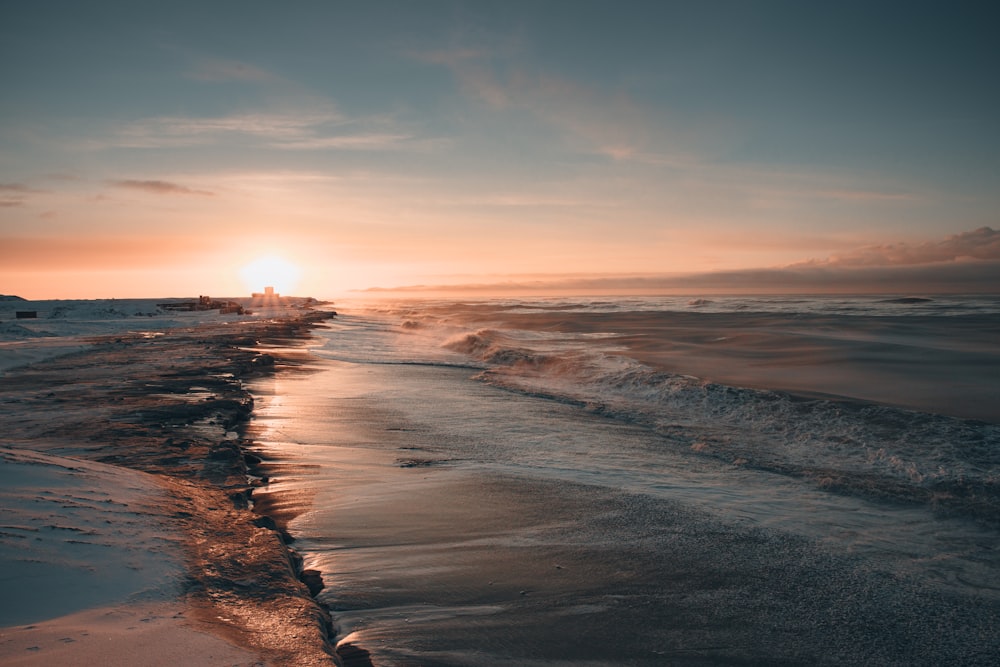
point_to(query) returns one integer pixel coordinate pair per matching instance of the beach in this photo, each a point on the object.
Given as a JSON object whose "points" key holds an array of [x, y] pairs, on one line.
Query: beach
{"points": [[640, 481], [666, 333], [549, 481], [129, 534]]}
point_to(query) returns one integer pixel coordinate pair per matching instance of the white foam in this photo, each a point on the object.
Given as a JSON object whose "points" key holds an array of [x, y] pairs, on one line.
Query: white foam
{"points": [[872, 446]]}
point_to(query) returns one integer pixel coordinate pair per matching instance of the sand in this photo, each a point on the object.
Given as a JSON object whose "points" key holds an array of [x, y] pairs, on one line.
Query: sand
{"points": [[128, 534], [153, 634]]}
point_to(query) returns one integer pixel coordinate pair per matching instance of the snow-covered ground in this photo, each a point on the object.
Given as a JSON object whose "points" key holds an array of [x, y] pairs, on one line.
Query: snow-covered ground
{"points": [[96, 576], [77, 534], [64, 326], [91, 560]]}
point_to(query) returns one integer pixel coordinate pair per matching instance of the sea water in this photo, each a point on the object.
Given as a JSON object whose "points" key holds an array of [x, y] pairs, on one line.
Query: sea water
{"points": [[762, 480]]}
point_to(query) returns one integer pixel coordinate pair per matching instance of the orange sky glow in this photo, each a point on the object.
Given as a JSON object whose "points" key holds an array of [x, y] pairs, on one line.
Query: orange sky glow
{"points": [[612, 151]]}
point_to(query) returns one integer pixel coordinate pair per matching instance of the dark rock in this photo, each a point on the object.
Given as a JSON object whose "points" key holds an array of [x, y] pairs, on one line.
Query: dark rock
{"points": [[224, 451], [354, 656], [265, 522], [262, 361], [313, 580], [241, 499]]}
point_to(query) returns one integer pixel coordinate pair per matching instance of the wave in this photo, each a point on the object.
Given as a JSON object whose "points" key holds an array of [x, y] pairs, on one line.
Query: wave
{"points": [[493, 348], [843, 445], [623, 365]]}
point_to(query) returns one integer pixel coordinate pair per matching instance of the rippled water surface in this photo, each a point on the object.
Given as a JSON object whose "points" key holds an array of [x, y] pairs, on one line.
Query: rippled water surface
{"points": [[561, 482]]}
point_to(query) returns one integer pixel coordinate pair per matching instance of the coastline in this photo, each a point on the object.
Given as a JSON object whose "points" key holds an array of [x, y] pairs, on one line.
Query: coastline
{"points": [[465, 522], [170, 405]]}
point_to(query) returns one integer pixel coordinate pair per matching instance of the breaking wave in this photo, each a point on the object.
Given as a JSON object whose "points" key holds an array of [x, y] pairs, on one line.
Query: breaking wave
{"points": [[491, 347], [843, 445]]}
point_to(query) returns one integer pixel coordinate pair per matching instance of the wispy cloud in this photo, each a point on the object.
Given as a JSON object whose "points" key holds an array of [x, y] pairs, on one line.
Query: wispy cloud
{"points": [[16, 187], [450, 57], [324, 129], [360, 142], [220, 69], [686, 157], [178, 131], [525, 199], [14, 194], [860, 195], [602, 122], [161, 188]]}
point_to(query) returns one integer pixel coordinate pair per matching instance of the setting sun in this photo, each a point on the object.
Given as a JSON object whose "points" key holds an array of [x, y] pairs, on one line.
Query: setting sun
{"points": [[551, 332], [271, 271]]}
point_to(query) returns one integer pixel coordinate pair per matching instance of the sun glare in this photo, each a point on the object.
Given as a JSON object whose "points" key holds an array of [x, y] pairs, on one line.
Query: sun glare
{"points": [[271, 271]]}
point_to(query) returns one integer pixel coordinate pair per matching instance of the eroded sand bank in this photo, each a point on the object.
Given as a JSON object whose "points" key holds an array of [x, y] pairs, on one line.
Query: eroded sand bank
{"points": [[128, 534]]}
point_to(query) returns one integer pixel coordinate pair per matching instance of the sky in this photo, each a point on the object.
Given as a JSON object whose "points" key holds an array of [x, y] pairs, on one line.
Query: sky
{"points": [[159, 149]]}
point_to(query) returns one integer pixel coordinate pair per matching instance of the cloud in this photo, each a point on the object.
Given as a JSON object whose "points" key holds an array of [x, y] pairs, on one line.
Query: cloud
{"points": [[179, 131], [16, 187], [219, 70], [865, 195], [602, 122], [980, 244], [346, 142], [161, 188], [14, 194], [963, 263], [450, 57], [956, 278], [323, 129]]}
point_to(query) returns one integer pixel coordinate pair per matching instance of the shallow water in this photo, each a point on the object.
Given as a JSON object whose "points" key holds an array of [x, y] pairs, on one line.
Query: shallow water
{"points": [[471, 512]]}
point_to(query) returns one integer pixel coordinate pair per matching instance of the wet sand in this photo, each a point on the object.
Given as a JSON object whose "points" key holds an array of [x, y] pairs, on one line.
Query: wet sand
{"points": [[142, 435], [486, 527]]}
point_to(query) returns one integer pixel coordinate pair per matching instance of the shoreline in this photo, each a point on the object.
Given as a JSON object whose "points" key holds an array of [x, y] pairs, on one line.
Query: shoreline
{"points": [[174, 405]]}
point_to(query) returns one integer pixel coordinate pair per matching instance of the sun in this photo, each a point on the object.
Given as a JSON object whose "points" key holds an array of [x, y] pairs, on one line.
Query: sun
{"points": [[271, 271]]}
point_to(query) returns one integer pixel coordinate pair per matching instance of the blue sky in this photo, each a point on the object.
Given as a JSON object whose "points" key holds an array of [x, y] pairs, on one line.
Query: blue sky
{"points": [[161, 146]]}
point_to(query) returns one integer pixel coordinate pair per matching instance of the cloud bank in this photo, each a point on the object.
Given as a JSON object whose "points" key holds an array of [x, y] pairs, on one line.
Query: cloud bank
{"points": [[981, 244], [966, 263]]}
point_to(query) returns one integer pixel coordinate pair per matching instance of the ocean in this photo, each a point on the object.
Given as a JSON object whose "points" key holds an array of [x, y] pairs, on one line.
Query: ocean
{"points": [[649, 480]]}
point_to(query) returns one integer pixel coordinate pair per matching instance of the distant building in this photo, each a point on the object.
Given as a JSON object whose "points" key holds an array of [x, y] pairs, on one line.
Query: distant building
{"points": [[268, 296], [205, 303]]}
